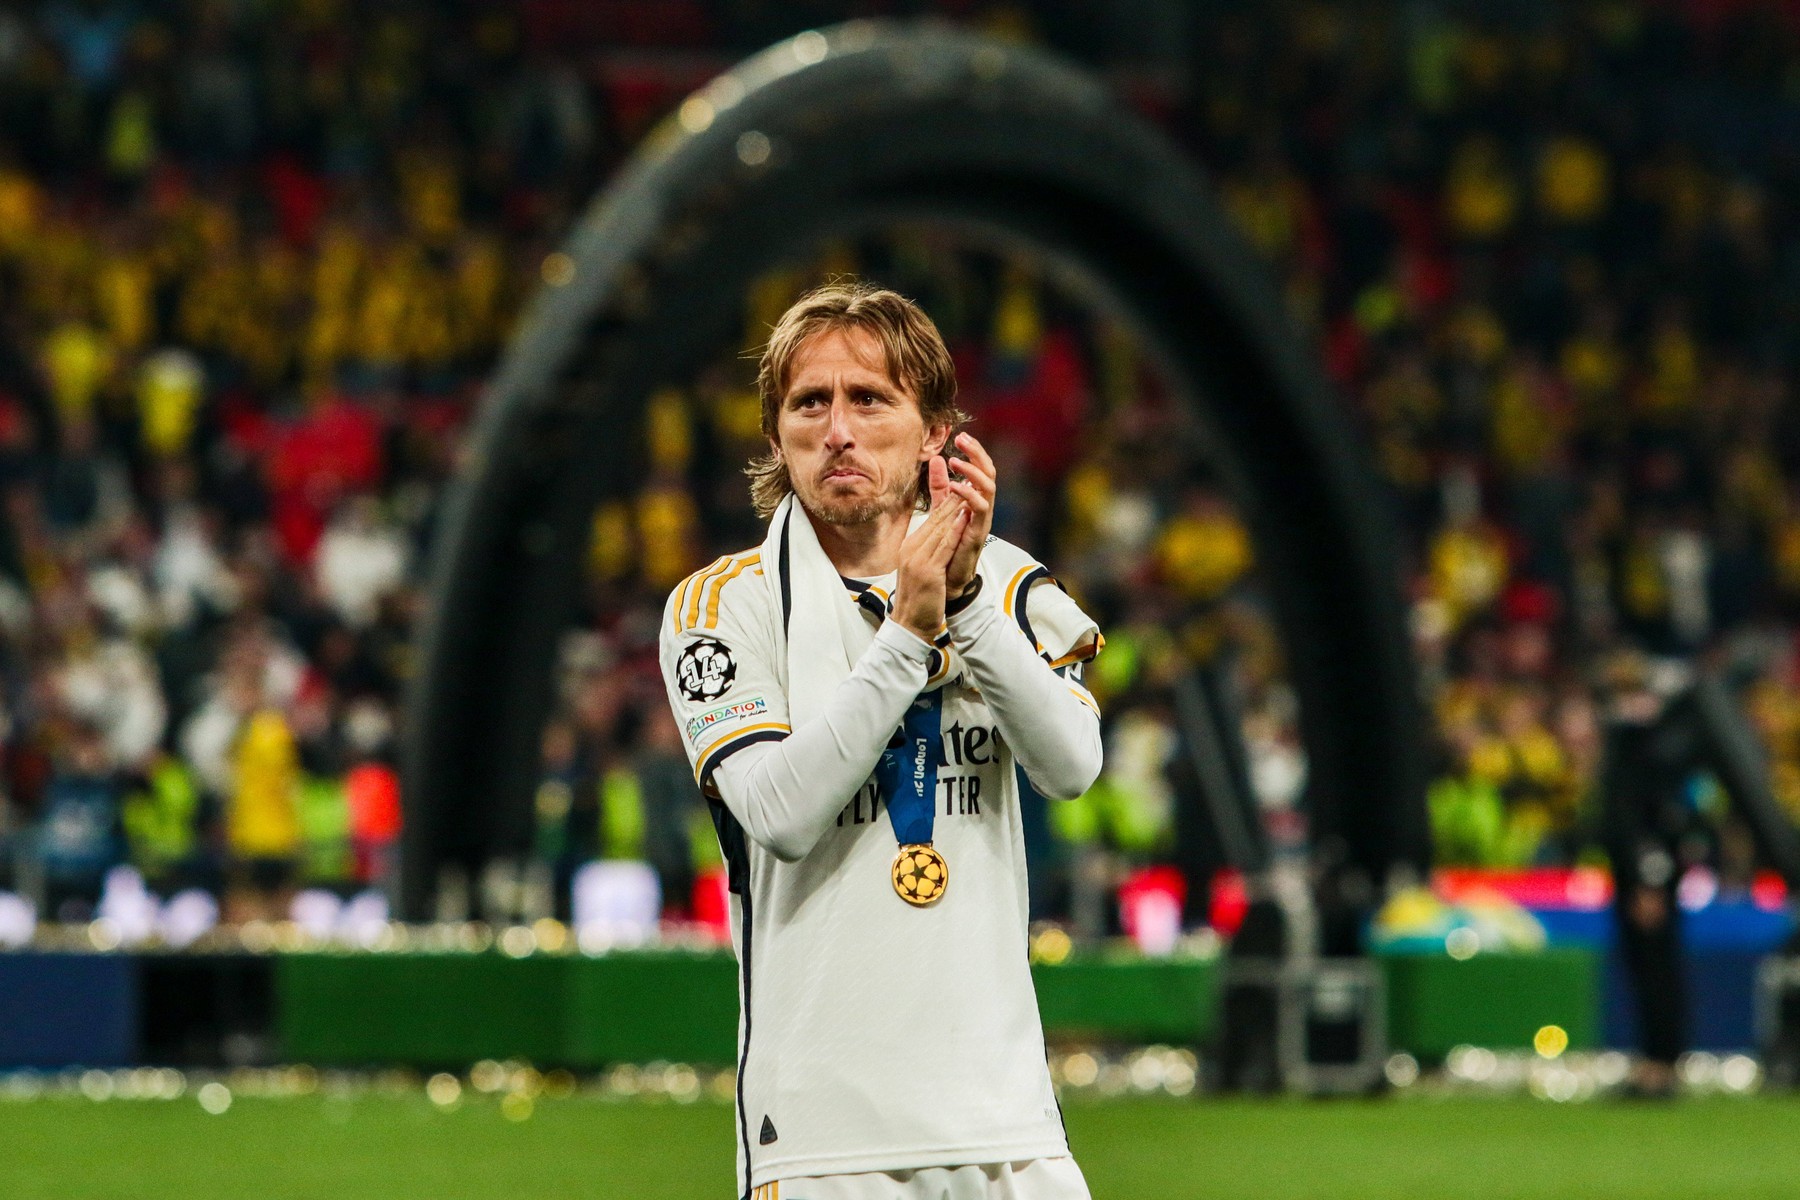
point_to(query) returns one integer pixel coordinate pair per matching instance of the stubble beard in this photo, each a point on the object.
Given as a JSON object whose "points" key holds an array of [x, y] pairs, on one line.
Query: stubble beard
{"points": [[899, 496]]}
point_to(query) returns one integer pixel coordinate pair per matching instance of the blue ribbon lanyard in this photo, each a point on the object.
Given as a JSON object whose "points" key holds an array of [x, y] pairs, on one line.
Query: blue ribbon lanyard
{"points": [[908, 770]]}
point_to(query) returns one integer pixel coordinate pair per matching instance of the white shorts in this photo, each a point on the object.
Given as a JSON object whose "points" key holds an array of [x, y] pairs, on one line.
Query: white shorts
{"points": [[1034, 1179]]}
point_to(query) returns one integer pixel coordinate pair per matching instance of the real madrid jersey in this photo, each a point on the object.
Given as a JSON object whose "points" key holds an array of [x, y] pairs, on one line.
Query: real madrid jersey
{"points": [[877, 1034]]}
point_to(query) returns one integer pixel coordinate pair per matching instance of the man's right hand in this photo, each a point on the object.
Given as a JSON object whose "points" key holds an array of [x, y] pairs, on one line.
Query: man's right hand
{"points": [[919, 592]]}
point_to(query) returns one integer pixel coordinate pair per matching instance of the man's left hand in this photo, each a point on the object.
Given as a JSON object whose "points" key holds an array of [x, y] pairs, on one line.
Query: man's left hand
{"points": [[972, 480]]}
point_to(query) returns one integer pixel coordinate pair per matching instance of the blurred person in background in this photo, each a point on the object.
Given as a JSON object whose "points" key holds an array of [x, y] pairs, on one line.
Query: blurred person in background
{"points": [[1123, 822], [372, 793], [81, 839], [12, 815], [1652, 751], [262, 826], [162, 826], [564, 812], [674, 812], [359, 560]]}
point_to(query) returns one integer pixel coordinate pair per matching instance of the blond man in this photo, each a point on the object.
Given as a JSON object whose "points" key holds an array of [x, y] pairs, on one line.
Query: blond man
{"points": [[864, 699]]}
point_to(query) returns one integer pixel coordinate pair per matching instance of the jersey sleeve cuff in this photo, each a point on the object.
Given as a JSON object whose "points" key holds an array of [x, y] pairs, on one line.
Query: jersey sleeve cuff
{"points": [[1086, 650], [708, 760], [904, 642]]}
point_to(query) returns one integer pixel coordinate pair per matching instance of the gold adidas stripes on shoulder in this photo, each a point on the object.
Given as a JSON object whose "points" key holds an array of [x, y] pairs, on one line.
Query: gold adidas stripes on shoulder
{"points": [[697, 597]]}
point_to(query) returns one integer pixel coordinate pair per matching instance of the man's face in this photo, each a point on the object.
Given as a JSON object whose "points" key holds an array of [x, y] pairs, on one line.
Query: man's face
{"points": [[852, 437]]}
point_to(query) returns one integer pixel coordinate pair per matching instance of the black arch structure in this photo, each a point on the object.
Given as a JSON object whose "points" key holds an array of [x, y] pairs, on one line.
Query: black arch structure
{"points": [[834, 131]]}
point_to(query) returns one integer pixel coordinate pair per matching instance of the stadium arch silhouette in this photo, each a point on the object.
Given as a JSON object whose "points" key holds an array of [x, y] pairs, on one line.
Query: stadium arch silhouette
{"points": [[848, 130]]}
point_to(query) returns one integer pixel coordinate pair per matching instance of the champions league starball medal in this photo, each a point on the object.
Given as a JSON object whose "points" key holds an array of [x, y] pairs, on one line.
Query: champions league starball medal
{"points": [[920, 875], [907, 776]]}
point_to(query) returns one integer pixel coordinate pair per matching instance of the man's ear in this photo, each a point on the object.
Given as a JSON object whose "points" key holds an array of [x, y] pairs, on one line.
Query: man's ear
{"points": [[774, 447], [935, 437]]}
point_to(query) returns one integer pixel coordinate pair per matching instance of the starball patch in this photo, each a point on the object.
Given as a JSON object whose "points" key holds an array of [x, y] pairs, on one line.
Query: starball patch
{"points": [[705, 670]]}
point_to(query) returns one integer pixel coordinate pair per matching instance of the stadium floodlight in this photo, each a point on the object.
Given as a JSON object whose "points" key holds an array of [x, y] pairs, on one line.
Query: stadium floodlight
{"points": [[846, 131]]}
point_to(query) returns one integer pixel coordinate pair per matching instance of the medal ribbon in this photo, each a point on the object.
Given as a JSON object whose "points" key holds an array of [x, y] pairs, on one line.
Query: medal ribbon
{"points": [[908, 771]]}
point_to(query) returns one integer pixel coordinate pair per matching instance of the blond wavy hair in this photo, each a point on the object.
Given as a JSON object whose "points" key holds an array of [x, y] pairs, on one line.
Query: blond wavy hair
{"points": [[913, 350]]}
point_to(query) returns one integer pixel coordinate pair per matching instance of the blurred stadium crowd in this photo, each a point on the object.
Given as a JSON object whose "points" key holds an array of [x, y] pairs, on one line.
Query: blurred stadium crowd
{"points": [[258, 259]]}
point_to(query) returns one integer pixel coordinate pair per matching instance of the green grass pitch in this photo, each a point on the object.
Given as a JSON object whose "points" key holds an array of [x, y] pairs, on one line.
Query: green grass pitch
{"points": [[398, 1147]]}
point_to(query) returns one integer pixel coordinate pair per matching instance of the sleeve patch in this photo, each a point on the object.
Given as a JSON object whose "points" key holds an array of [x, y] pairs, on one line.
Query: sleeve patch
{"points": [[705, 671], [725, 715]]}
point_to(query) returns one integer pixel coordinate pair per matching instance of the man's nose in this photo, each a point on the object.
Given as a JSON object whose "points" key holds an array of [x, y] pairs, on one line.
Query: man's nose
{"points": [[837, 425]]}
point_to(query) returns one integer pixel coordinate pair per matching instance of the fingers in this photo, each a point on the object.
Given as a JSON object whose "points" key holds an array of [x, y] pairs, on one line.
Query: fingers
{"points": [[975, 480], [942, 513], [932, 527], [973, 476], [949, 538], [936, 516], [979, 460], [971, 542], [925, 560], [941, 537], [938, 556], [973, 472], [976, 501], [938, 477], [970, 445]]}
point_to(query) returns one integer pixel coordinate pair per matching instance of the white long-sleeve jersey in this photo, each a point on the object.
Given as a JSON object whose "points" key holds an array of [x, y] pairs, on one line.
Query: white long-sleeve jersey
{"points": [[874, 1035]]}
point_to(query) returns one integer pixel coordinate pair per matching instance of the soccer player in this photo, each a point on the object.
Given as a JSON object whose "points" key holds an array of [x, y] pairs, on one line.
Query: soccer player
{"points": [[864, 697]]}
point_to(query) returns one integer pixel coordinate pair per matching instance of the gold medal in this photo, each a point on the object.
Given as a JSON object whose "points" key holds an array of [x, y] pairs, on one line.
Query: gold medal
{"points": [[920, 874]]}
